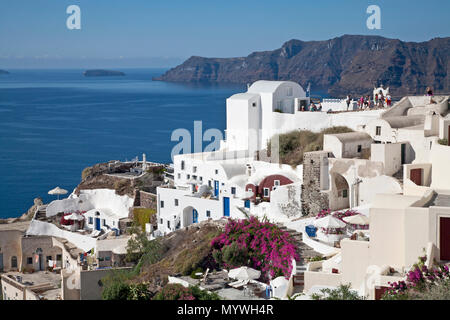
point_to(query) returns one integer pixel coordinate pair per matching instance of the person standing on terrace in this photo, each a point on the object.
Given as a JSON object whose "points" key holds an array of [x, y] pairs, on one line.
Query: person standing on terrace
{"points": [[367, 102], [388, 100], [430, 94], [361, 102]]}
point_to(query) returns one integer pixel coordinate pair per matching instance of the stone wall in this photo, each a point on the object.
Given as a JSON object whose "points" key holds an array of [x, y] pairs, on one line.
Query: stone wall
{"points": [[10, 246], [293, 207], [146, 200], [43, 244], [91, 284], [313, 201], [108, 167]]}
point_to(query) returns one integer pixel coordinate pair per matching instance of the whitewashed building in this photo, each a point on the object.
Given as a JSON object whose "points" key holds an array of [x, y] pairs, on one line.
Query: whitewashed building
{"points": [[232, 182], [274, 107], [210, 186], [406, 182]]}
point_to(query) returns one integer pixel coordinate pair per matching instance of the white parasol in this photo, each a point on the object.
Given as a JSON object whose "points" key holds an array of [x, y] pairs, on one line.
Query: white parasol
{"points": [[329, 222], [57, 191], [357, 219], [74, 216], [244, 273]]}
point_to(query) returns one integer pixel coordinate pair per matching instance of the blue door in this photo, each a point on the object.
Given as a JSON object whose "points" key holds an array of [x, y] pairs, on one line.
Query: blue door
{"points": [[247, 204], [97, 223], [216, 188], [194, 216], [1, 262], [226, 206]]}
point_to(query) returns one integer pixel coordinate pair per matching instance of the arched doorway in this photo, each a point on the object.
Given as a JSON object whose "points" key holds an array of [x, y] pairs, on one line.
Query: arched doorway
{"points": [[190, 216], [340, 192], [97, 221]]}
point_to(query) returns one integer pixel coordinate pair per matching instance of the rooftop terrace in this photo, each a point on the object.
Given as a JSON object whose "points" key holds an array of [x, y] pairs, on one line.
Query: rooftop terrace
{"points": [[46, 285]]}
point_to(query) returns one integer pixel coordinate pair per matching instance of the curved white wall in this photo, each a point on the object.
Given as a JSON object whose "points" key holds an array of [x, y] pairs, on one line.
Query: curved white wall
{"points": [[92, 199]]}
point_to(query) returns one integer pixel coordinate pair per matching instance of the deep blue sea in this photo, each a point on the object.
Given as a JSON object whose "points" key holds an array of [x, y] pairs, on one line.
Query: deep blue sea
{"points": [[54, 123]]}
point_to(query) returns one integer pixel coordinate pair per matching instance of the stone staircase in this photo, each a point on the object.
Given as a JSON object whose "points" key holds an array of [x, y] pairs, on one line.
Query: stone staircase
{"points": [[41, 213], [399, 176], [303, 252]]}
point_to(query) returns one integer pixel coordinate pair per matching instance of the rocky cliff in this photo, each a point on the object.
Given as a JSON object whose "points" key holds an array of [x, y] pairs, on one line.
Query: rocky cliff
{"points": [[347, 64]]}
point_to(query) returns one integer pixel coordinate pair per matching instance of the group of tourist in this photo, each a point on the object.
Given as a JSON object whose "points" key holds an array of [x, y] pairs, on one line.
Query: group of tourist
{"points": [[364, 102], [312, 107], [382, 100]]}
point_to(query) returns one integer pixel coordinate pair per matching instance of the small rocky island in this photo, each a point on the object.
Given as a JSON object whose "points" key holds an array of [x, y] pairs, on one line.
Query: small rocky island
{"points": [[3, 71], [102, 73]]}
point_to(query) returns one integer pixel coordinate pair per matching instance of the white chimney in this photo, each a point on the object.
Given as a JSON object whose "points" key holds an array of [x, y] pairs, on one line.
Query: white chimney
{"points": [[249, 169], [144, 162]]}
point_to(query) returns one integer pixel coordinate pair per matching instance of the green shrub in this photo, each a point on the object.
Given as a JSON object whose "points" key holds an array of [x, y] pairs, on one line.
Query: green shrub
{"points": [[138, 291], [193, 273], [190, 260], [200, 294], [115, 286], [316, 258], [156, 170], [294, 144], [175, 291], [199, 257], [140, 249], [116, 291], [443, 142], [439, 291], [233, 255], [86, 173], [121, 184], [343, 292], [143, 216]]}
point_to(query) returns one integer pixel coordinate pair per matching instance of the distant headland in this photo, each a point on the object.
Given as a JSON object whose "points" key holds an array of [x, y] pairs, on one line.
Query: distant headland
{"points": [[347, 64], [3, 71], [102, 73]]}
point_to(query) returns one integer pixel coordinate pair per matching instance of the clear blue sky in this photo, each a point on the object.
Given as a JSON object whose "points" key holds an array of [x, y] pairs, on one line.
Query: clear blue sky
{"points": [[161, 33]]}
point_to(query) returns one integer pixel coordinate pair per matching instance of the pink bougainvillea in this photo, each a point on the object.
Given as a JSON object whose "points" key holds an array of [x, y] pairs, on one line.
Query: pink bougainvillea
{"points": [[268, 248], [419, 278], [347, 213], [323, 213], [338, 214]]}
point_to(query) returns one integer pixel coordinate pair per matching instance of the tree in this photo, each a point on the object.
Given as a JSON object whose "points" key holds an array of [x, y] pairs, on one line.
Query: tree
{"points": [[139, 291], [176, 291], [115, 287], [343, 292], [139, 245]]}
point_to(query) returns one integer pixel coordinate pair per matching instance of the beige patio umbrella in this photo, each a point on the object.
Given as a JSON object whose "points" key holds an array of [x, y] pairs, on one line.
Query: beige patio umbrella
{"points": [[57, 191], [244, 273], [357, 219], [74, 216], [329, 222]]}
